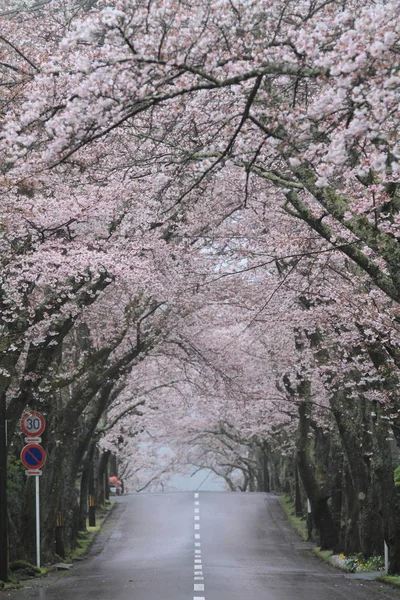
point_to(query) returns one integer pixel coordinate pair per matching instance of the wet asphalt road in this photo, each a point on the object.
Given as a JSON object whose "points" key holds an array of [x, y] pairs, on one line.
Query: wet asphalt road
{"points": [[205, 546]]}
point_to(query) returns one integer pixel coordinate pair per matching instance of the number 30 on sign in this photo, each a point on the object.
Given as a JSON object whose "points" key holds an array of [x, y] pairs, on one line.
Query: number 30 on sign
{"points": [[33, 424]]}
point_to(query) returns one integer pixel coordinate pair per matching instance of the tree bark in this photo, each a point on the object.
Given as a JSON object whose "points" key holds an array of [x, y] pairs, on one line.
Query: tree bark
{"points": [[298, 505], [3, 492], [352, 423], [318, 496]]}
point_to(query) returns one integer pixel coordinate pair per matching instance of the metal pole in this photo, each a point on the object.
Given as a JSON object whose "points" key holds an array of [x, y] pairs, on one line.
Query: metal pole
{"points": [[37, 520], [386, 551]]}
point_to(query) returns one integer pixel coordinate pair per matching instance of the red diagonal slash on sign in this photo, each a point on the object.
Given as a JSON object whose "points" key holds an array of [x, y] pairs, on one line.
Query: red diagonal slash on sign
{"points": [[33, 456], [36, 458]]}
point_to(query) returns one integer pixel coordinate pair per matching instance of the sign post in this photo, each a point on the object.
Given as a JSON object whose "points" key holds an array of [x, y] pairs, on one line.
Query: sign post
{"points": [[33, 457], [37, 501]]}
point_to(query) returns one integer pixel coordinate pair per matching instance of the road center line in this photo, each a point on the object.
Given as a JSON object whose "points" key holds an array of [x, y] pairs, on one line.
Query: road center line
{"points": [[198, 566]]}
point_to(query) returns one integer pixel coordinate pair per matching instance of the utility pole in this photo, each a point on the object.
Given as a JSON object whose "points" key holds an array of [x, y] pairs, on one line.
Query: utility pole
{"points": [[3, 491], [92, 497]]}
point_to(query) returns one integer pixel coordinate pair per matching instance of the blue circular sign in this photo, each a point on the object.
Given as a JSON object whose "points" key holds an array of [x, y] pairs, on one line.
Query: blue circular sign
{"points": [[33, 456]]}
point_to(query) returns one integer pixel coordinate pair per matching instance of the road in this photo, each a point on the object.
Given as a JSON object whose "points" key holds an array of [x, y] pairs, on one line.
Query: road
{"points": [[204, 546]]}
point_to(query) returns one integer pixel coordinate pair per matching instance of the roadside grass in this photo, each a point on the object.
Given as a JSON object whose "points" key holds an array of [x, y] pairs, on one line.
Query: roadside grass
{"points": [[351, 564], [86, 538], [11, 584], [298, 523], [21, 570], [324, 555], [390, 579]]}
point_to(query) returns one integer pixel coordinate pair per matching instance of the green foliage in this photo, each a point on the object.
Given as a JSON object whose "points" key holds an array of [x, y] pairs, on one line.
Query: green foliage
{"points": [[373, 563], [352, 564], [355, 563], [16, 479], [397, 476]]}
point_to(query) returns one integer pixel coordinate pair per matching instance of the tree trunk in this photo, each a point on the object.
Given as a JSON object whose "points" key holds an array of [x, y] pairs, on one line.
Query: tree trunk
{"points": [[318, 496], [3, 492], [298, 505], [389, 506], [265, 464], [350, 533], [101, 473], [352, 421], [83, 496]]}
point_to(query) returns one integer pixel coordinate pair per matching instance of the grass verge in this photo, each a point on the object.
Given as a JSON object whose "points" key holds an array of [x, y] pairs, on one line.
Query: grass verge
{"points": [[324, 555], [86, 538], [10, 585], [390, 579], [298, 523]]}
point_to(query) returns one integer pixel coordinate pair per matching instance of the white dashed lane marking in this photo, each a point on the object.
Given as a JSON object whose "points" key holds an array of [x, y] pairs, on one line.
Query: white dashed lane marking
{"points": [[198, 565]]}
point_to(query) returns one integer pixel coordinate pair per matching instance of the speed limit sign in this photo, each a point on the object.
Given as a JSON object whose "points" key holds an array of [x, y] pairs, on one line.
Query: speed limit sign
{"points": [[33, 424]]}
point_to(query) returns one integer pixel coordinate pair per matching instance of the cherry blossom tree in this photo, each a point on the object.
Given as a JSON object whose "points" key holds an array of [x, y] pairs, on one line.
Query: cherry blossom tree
{"points": [[311, 108], [233, 166]]}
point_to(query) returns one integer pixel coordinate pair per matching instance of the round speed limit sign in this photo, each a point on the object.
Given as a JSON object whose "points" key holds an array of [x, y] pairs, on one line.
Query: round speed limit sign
{"points": [[33, 424]]}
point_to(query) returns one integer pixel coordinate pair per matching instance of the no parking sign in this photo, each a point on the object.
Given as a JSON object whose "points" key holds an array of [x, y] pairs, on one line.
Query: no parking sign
{"points": [[33, 457]]}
